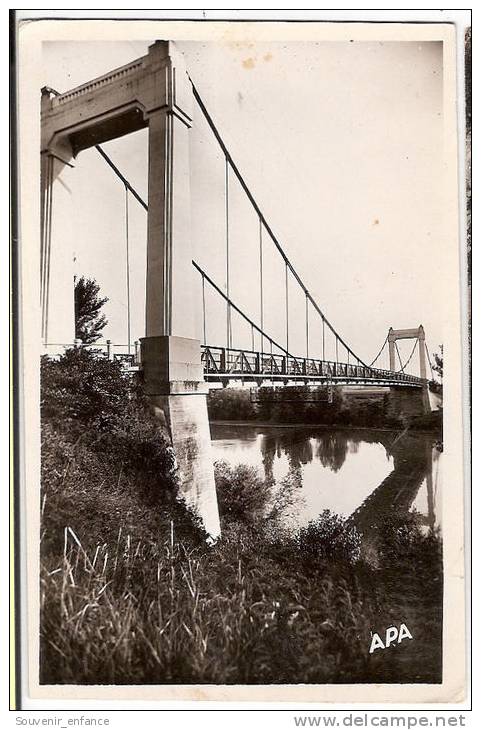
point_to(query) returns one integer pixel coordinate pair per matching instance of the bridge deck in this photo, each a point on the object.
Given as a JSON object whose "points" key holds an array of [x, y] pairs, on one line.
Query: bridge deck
{"points": [[221, 363]]}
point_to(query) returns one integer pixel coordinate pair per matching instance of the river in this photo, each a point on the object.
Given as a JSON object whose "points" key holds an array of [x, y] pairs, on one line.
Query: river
{"points": [[352, 472]]}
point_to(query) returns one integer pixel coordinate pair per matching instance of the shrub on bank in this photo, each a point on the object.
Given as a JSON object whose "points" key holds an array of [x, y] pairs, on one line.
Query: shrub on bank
{"points": [[241, 493], [105, 461], [329, 537], [84, 391]]}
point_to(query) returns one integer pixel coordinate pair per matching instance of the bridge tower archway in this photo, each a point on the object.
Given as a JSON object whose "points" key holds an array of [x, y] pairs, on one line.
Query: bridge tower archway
{"points": [[416, 333], [419, 335]]}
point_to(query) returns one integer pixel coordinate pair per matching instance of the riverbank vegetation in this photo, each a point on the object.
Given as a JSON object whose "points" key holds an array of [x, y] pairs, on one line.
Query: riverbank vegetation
{"points": [[131, 592], [322, 405]]}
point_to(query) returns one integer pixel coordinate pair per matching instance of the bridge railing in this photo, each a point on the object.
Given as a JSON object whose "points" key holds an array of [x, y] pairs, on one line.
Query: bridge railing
{"points": [[230, 362], [110, 350], [224, 362]]}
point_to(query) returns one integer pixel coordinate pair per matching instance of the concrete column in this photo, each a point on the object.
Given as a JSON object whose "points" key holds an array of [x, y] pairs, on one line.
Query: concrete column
{"points": [[422, 352], [56, 248], [392, 357], [169, 251], [170, 352]]}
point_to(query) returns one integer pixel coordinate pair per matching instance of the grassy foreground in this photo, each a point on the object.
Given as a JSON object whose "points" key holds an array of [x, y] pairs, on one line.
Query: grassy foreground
{"points": [[131, 593]]}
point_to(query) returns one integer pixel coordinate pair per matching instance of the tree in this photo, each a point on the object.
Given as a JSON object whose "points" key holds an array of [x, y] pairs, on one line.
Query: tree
{"points": [[438, 362], [89, 322]]}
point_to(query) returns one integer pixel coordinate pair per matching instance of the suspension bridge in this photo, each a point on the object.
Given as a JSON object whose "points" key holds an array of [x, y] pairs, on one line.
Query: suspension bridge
{"points": [[156, 92]]}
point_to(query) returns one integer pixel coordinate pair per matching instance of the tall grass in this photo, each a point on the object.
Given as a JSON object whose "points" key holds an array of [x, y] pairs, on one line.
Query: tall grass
{"points": [[245, 611], [137, 613]]}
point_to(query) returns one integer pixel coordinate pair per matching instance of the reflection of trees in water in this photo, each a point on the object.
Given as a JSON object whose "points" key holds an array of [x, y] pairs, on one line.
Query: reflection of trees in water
{"points": [[269, 449], [332, 449], [295, 474], [298, 452], [303, 446]]}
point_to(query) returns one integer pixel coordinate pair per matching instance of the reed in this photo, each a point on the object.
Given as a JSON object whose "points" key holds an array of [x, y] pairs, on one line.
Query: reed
{"points": [[241, 612]]}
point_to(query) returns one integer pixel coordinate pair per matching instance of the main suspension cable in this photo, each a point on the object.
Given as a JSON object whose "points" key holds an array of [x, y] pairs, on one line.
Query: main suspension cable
{"points": [[262, 218], [242, 314], [114, 167], [380, 352], [399, 356]]}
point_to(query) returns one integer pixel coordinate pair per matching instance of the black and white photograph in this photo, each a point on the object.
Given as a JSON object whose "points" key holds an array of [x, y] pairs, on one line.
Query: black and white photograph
{"points": [[245, 338]]}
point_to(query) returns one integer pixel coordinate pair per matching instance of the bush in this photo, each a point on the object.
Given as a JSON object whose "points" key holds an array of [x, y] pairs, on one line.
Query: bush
{"points": [[329, 536], [231, 404], [400, 539], [242, 494], [83, 389], [105, 461]]}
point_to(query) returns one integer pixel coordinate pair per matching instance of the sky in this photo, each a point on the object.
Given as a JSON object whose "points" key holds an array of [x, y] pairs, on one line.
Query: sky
{"points": [[340, 144]]}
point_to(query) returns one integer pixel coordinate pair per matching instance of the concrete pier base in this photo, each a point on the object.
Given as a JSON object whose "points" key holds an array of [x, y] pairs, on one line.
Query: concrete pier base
{"points": [[188, 426], [407, 403], [172, 375]]}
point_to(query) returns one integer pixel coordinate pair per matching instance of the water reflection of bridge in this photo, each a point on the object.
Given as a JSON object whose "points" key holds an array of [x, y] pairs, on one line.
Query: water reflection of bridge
{"points": [[413, 462]]}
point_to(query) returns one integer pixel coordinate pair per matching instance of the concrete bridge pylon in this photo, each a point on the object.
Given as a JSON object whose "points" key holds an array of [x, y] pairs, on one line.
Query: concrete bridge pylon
{"points": [[409, 334], [154, 92]]}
